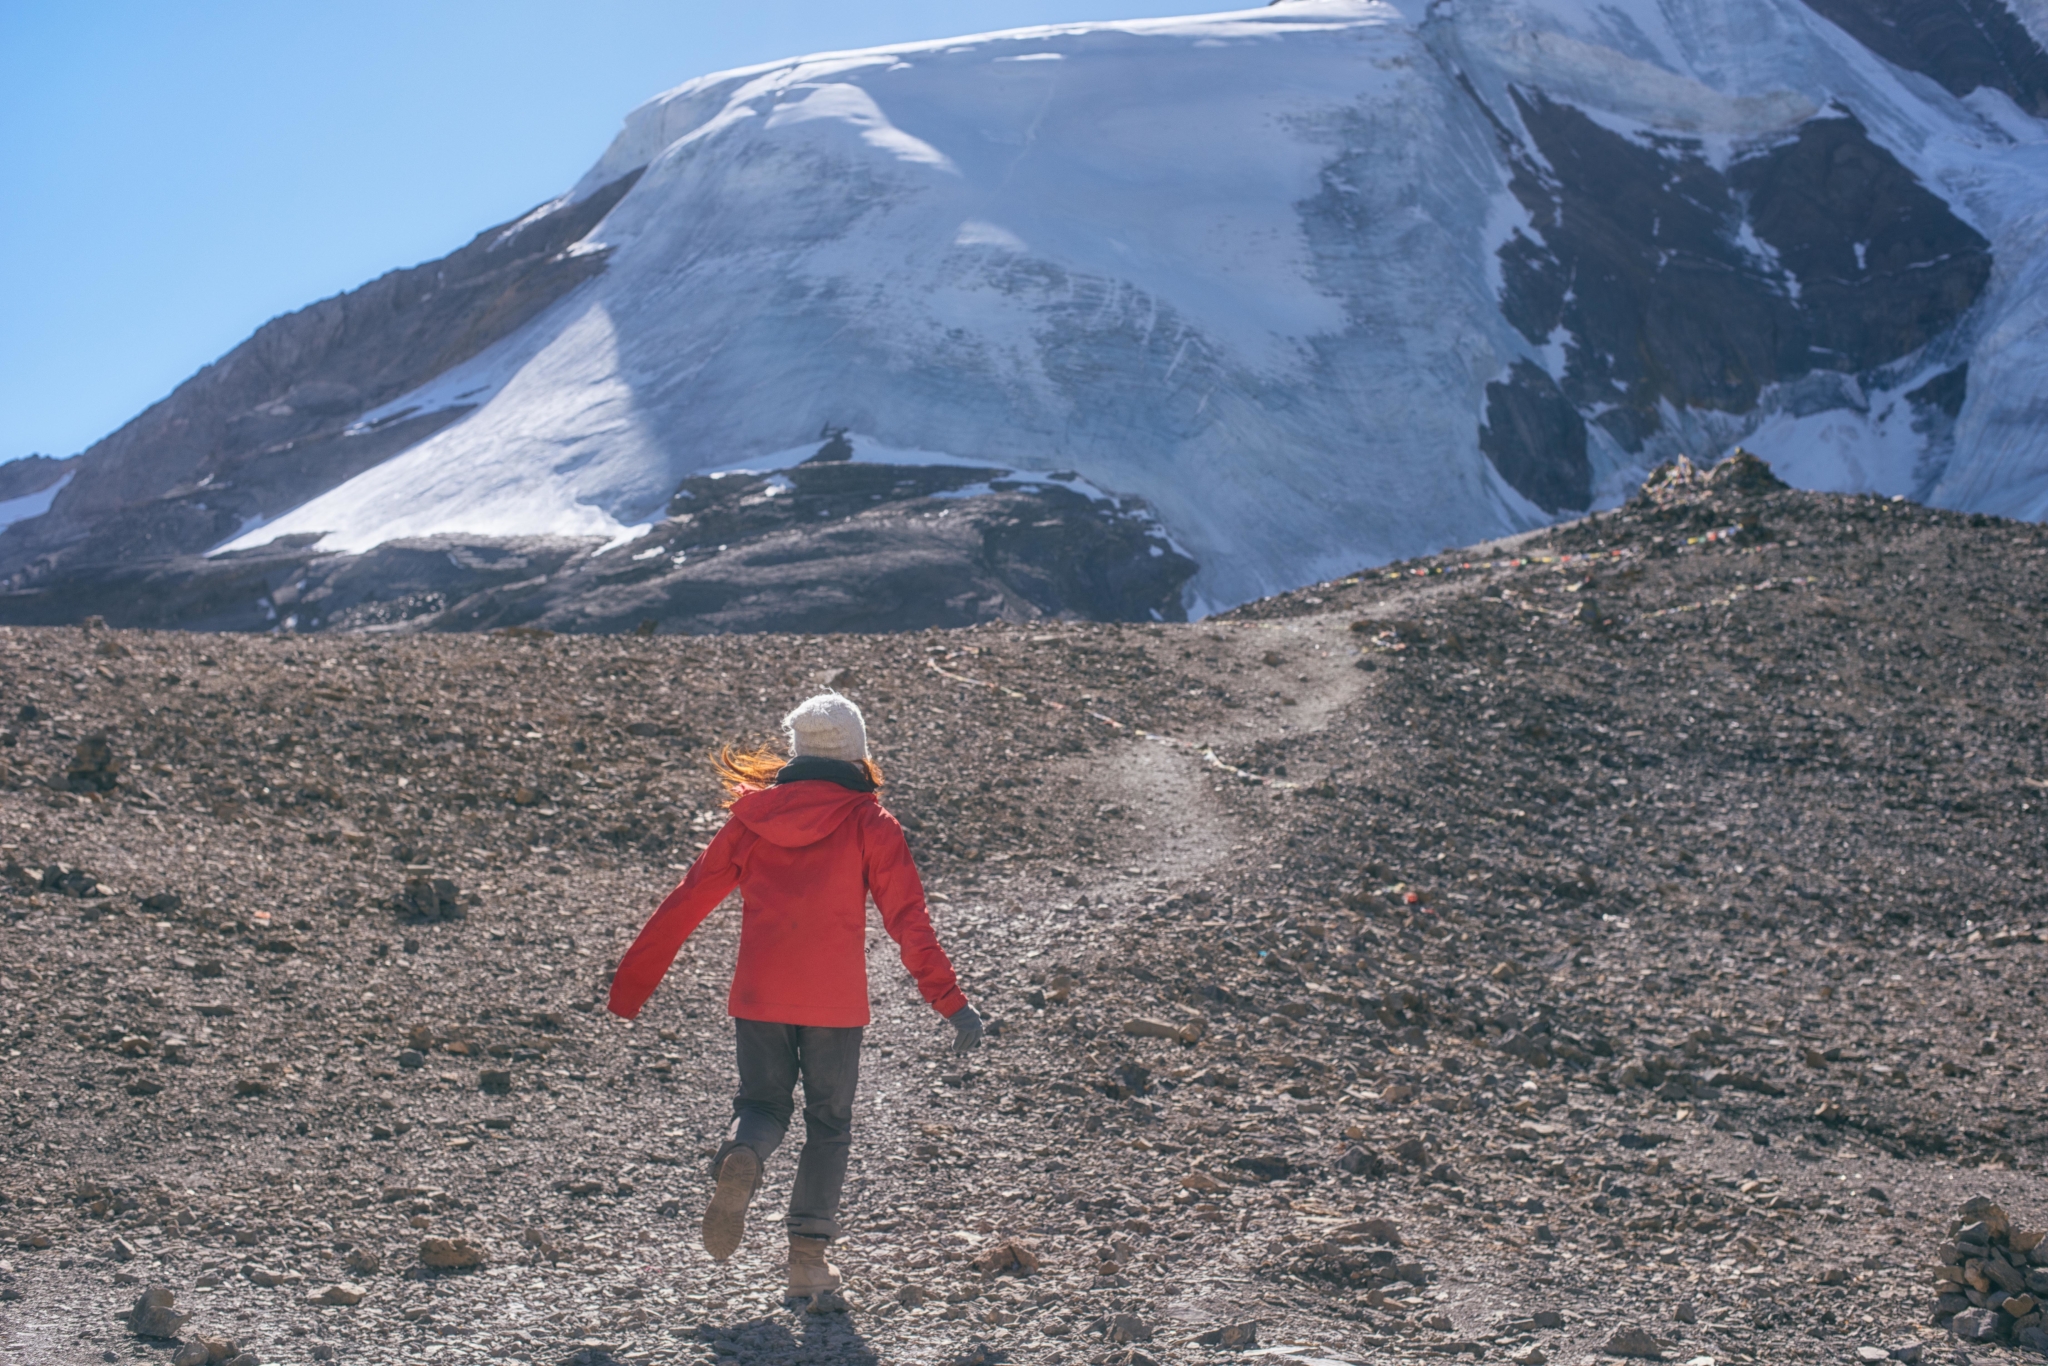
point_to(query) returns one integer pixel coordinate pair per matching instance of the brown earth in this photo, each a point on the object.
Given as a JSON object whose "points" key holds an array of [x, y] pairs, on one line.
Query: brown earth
{"points": [[1651, 940]]}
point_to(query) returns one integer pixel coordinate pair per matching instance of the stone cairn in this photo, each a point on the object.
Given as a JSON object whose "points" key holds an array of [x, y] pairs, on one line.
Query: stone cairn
{"points": [[1992, 1279]]}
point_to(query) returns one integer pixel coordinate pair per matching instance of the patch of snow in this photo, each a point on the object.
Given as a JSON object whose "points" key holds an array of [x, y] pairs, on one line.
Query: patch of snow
{"points": [[32, 504]]}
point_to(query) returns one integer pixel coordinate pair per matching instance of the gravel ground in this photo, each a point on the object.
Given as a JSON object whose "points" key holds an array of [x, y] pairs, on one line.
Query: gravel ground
{"points": [[1637, 927]]}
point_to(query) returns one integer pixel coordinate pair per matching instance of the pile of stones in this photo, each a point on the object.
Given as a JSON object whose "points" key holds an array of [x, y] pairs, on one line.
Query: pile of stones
{"points": [[1993, 1279]]}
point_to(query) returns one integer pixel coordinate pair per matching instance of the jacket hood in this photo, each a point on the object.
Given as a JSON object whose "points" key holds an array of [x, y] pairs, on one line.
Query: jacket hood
{"points": [[798, 813]]}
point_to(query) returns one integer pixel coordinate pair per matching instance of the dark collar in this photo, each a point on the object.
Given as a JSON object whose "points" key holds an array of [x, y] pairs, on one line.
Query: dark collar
{"points": [[807, 767]]}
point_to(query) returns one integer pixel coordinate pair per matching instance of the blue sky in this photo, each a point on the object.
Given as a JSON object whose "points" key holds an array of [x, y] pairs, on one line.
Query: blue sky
{"points": [[175, 174]]}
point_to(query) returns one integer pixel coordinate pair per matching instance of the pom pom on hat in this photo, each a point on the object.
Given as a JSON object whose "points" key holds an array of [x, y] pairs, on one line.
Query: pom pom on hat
{"points": [[829, 727]]}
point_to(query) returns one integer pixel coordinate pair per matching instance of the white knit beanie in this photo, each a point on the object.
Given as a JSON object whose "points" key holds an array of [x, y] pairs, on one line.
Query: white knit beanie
{"points": [[829, 727]]}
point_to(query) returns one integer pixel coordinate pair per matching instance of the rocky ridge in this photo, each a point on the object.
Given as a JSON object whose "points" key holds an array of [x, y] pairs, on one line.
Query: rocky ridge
{"points": [[1622, 941]]}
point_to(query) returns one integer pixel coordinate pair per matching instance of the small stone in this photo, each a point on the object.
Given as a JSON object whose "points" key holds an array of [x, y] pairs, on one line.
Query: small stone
{"points": [[1548, 1318], [494, 1081], [411, 1059], [1124, 1328], [450, 1253], [1236, 1336], [1145, 1027], [153, 1317], [1010, 1255], [263, 1276], [251, 1086], [2019, 1306], [1975, 1325], [341, 1293], [1634, 1342], [1530, 1356], [1908, 1350], [1360, 1162], [220, 1349], [828, 1302], [362, 1261], [244, 1359], [124, 1251], [1686, 1312], [323, 1351], [192, 1353], [912, 1296], [1835, 1275], [1201, 1181], [1872, 1354]]}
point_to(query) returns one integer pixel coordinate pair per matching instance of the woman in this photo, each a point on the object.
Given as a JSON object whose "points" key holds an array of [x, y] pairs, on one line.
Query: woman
{"points": [[807, 843]]}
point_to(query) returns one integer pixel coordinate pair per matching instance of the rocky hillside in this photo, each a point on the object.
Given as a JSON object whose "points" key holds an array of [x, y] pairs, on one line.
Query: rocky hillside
{"points": [[1621, 943]]}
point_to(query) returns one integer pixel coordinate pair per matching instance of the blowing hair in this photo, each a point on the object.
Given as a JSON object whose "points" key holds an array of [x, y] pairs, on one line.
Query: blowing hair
{"points": [[751, 770]]}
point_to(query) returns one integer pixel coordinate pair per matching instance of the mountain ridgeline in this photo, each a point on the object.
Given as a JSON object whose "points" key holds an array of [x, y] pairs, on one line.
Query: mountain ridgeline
{"points": [[1124, 321]]}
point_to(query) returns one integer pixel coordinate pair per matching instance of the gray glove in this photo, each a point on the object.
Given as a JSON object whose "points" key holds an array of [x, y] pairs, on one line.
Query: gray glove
{"points": [[966, 1024]]}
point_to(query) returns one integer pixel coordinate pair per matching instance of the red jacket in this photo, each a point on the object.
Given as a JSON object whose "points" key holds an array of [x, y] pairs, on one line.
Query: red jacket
{"points": [[805, 857]]}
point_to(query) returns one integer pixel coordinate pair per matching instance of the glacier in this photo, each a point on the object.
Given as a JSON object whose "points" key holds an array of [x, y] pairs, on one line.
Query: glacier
{"points": [[1245, 267]]}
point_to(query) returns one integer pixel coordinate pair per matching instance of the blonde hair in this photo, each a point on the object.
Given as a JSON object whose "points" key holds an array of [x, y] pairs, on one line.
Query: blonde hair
{"points": [[752, 770]]}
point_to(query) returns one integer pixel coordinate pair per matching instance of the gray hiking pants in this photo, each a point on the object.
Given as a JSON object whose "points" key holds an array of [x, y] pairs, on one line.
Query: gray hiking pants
{"points": [[772, 1059]]}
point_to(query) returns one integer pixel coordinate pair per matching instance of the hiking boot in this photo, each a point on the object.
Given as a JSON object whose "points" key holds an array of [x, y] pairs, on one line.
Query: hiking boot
{"points": [[725, 1218], [809, 1272]]}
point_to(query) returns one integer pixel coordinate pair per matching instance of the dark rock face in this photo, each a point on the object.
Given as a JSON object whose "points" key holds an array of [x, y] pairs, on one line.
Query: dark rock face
{"points": [[1537, 440], [1642, 262], [1963, 44], [267, 426], [823, 547]]}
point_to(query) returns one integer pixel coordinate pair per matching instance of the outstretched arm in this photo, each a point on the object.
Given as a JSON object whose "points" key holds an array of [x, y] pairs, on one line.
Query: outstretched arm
{"points": [[899, 895], [715, 873]]}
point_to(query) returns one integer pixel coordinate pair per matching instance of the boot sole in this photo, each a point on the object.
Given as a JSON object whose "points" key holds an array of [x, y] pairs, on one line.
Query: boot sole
{"points": [[725, 1218]]}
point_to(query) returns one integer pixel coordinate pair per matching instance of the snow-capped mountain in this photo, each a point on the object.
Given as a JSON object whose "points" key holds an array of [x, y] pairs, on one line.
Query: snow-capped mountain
{"points": [[1321, 284]]}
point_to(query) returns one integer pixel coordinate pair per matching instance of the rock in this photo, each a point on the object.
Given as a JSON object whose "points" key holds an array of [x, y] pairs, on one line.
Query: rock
{"points": [[1975, 1325], [362, 1261], [1201, 1181], [913, 1296], [829, 1302], [494, 1082], [411, 1058], [1358, 1162], [1265, 1166], [263, 1276], [251, 1086], [591, 1356], [1125, 1328], [191, 1353], [977, 1353], [340, 1293], [244, 1359], [1907, 1350], [152, 1315], [1530, 1356], [1144, 1027], [450, 1253], [93, 767], [1872, 1354], [1634, 1342], [1010, 1255], [123, 1250], [425, 897], [1236, 1336]]}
